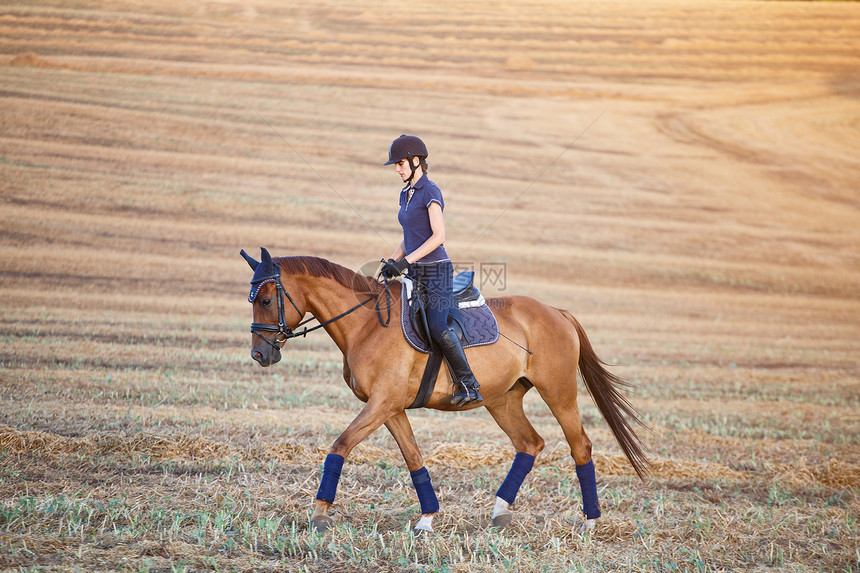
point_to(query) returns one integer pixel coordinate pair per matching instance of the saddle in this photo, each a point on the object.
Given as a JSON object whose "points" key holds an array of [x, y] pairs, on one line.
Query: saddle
{"points": [[471, 319], [464, 291]]}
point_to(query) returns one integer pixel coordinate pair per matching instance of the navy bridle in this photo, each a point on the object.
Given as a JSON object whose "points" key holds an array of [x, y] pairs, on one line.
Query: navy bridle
{"points": [[284, 332]]}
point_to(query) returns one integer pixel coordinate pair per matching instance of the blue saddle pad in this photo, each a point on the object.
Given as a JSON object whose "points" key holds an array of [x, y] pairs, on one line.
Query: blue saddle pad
{"points": [[476, 317]]}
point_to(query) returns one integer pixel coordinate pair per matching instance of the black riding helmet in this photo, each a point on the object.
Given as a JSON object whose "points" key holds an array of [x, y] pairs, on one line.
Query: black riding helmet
{"points": [[406, 147]]}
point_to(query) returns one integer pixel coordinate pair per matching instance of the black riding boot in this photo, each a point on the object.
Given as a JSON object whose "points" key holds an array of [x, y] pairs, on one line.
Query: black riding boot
{"points": [[464, 380]]}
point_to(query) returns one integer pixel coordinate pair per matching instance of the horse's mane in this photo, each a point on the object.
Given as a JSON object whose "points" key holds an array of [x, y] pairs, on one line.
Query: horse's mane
{"points": [[318, 267]]}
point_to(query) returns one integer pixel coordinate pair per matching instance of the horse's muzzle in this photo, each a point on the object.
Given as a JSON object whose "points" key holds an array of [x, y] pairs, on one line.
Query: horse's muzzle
{"points": [[266, 355]]}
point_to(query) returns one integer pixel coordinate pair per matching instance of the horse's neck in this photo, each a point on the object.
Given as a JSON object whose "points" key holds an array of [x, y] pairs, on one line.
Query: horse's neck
{"points": [[327, 299]]}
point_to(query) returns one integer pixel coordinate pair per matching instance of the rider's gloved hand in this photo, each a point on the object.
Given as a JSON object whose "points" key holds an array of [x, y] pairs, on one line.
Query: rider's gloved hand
{"points": [[393, 268]]}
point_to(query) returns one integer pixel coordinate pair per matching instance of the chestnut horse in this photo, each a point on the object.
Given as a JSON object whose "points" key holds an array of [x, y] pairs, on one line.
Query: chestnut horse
{"points": [[542, 348]]}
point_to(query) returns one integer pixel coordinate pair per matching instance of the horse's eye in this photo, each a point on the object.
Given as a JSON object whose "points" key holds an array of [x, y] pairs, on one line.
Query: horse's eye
{"points": [[265, 301]]}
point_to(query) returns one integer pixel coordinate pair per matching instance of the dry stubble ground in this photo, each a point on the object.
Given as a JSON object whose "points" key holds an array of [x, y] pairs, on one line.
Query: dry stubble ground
{"points": [[704, 228]]}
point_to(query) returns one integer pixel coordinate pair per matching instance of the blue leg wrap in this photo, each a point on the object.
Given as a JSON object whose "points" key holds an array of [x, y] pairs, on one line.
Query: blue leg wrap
{"points": [[331, 475], [522, 465], [588, 485], [424, 488]]}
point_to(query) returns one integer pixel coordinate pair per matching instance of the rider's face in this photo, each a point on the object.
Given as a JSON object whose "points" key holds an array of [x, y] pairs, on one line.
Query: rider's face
{"points": [[402, 169]]}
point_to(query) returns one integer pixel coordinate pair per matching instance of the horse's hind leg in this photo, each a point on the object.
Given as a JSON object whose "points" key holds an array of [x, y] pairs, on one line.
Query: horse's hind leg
{"points": [[561, 400], [511, 418]]}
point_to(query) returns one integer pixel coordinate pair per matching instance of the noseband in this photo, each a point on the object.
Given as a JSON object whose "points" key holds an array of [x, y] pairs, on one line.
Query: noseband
{"points": [[284, 332]]}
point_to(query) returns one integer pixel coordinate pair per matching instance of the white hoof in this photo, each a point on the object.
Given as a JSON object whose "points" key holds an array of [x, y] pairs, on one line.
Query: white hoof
{"points": [[502, 514], [588, 525], [424, 525]]}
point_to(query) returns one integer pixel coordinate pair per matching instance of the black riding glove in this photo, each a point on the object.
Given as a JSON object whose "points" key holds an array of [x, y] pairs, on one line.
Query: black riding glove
{"points": [[393, 268]]}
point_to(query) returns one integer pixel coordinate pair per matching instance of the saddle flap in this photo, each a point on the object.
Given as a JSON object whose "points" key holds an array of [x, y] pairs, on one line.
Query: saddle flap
{"points": [[418, 312], [417, 302]]}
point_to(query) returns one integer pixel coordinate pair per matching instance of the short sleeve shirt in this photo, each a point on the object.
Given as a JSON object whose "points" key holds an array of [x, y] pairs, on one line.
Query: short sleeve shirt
{"points": [[415, 218]]}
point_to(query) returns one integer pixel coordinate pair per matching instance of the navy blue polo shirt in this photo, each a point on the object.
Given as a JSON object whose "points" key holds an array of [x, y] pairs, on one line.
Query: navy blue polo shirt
{"points": [[415, 219]]}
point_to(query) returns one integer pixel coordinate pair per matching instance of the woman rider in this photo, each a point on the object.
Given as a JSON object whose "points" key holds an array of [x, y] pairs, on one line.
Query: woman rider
{"points": [[423, 254]]}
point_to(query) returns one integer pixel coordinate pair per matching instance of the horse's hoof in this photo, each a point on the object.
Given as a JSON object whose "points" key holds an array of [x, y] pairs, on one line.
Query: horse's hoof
{"points": [[424, 526], [503, 520], [320, 524]]}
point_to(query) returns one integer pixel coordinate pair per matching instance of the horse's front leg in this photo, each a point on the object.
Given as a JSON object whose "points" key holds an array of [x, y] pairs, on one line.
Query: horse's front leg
{"points": [[372, 416], [401, 429]]}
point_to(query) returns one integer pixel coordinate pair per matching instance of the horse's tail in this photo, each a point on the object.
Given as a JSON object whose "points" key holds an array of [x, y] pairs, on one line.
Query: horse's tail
{"points": [[617, 410]]}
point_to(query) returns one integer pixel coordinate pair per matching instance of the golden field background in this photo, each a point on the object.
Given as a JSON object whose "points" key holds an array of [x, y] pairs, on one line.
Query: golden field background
{"points": [[682, 176]]}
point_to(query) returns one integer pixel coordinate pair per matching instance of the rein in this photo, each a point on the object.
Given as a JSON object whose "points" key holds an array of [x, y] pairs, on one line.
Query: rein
{"points": [[284, 332]]}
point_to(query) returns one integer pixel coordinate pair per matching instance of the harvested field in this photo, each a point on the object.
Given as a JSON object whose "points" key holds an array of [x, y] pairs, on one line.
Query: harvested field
{"points": [[682, 176]]}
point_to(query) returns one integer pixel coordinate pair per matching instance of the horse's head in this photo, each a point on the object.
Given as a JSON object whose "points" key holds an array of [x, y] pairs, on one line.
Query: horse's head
{"points": [[271, 315]]}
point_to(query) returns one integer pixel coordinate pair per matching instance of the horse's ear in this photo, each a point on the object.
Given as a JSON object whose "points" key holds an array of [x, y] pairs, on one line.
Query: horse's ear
{"points": [[266, 261], [265, 257], [251, 262]]}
